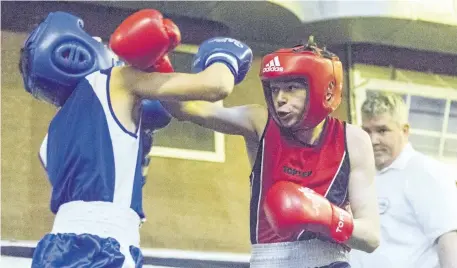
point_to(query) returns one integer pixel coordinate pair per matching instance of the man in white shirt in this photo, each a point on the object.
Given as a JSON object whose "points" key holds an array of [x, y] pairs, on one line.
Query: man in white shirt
{"points": [[417, 195]]}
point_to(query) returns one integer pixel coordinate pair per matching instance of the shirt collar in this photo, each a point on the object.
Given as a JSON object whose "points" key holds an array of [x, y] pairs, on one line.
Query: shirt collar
{"points": [[402, 159]]}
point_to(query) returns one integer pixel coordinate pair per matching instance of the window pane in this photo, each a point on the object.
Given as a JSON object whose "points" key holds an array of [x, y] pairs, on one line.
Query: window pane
{"points": [[426, 113], [425, 144], [185, 135], [450, 148], [452, 124], [181, 61]]}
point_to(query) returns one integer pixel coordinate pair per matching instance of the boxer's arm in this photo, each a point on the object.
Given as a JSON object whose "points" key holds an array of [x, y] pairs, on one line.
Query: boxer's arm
{"points": [[248, 120], [362, 192], [213, 84]]}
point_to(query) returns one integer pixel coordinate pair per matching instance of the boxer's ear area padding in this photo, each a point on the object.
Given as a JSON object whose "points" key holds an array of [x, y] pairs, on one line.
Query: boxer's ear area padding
{"points": [[73, 57], [330, 91]]}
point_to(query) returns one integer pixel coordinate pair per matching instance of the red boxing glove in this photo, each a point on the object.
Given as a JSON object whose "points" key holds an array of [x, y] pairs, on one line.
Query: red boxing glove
{"points": [[173, 33], [163, 65], [144, 38], [290, 207]]}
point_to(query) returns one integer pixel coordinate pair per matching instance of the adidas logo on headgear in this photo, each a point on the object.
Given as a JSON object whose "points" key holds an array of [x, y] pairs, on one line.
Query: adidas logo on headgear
{"points": [[273, 66]]}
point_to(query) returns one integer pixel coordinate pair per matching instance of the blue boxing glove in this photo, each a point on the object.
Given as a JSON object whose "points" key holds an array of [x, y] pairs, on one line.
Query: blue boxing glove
{"points": [[154, 116], [233, 53]]}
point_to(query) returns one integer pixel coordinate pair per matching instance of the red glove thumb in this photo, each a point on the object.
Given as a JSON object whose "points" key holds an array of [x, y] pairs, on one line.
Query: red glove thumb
{"points": [[163, 65], [173, 33]]}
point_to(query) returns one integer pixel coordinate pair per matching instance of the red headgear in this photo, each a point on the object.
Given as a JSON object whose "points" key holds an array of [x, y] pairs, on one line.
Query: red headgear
{"points": [[323, 71]]}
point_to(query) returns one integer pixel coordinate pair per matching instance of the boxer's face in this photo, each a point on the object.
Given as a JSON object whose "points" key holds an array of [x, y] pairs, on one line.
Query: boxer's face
{"points": [[388, 137], [289, 100]]}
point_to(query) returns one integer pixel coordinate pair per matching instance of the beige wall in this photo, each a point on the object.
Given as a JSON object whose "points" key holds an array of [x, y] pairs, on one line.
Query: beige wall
{"points": [[192, 205], [24, 190]]}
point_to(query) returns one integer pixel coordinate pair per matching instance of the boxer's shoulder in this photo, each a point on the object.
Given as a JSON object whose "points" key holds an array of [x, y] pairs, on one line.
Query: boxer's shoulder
{"points": [[358, 143], [356, 134], [125, 77], [120, 76], [120, 82], [258, 115]]}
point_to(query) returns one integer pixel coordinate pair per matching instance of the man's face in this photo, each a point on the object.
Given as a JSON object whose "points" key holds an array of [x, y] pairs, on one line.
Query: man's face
{"points": [[289, 100], [388, 137]]}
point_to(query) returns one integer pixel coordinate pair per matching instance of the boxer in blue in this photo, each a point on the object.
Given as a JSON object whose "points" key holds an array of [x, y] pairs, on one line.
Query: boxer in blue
{"points": [[99, 138]]}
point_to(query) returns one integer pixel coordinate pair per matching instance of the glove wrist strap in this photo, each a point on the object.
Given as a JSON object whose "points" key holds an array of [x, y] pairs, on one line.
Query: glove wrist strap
{"points": [[228, 60], [342, 225]]}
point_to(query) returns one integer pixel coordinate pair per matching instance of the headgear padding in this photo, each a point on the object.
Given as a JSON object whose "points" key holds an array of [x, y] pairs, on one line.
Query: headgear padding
{"points": [[57, 55], [322, 70]]}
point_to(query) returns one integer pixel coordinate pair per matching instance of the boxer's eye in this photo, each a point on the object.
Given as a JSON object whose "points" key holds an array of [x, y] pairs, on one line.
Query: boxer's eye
{"points": [[274, 89], [295, 86]]}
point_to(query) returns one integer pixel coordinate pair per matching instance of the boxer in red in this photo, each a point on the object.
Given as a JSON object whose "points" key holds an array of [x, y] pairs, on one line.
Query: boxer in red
{"points": [[312, 188]]}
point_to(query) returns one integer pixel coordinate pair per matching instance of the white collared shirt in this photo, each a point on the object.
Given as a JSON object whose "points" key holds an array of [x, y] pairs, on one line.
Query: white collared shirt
{"points": [[417, 199]]}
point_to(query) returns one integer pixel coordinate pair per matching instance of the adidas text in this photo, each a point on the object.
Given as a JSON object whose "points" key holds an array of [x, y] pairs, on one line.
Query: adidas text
{"points": [[227, 40], [273, 69]]}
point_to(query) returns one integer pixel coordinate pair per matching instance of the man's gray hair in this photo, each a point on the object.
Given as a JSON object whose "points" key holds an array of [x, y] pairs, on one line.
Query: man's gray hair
{"points": [[380, 102]]}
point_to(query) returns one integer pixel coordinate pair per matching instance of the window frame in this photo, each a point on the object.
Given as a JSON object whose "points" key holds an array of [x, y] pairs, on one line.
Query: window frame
{"points": [[362, 85], [218, 155]]}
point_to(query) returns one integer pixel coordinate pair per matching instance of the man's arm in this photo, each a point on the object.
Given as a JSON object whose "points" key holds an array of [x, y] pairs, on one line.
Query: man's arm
{"points": [[212, 84], [362, 192], [447, 248], [248, 121]]}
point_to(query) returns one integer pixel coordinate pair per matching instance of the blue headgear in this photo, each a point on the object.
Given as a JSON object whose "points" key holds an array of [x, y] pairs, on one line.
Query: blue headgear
{"points": [[57, 55]]}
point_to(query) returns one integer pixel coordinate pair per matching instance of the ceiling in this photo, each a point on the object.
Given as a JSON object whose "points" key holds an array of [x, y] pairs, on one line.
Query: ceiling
{"points": [[270, 25]]}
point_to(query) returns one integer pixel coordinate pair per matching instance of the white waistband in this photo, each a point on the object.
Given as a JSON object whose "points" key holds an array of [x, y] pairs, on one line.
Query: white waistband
{"points": [[309, 253], [104, 219]]}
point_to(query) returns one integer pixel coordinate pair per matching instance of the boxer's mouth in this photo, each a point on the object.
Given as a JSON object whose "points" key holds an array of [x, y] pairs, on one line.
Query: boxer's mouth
{"points": [[283, 114]]}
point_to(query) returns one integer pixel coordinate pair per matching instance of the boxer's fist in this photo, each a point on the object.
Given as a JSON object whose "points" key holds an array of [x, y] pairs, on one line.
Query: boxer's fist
{"points": [[290, 207], [144, 38], [233, 53], [154, 116]]}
